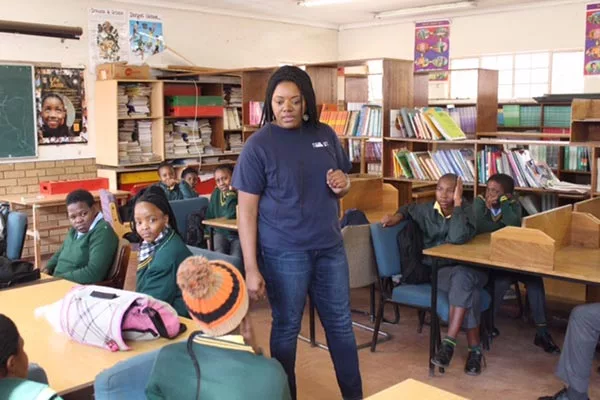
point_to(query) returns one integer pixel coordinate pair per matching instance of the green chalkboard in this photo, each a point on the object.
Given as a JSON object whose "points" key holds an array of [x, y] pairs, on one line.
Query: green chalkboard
{"points": [[17, 112]]}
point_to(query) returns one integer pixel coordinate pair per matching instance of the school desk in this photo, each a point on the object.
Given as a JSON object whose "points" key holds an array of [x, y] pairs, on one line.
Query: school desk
{"points": [[70, 366], [571, 263], [411, 389], [37, 202], [222, 223]]}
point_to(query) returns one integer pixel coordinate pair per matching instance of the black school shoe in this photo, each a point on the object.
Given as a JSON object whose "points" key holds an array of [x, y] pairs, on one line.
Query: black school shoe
{"points": [[443, 356], [561, 395], [545, 342], [473, 364]]}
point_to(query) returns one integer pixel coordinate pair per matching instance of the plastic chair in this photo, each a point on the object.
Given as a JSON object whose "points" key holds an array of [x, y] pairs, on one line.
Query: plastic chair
{"points": [[118, 271], [16, 229]]}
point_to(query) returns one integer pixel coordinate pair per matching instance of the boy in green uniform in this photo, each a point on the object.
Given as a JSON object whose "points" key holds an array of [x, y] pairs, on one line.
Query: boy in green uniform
{"points": [[14, 365], [222, 363], [223, 204], [496, 210], [174, 189], [89, 249], [450, 220]]}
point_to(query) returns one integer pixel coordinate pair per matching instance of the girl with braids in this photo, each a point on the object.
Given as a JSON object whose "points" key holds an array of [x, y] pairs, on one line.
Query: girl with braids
{"points": [[162, 249], [289, 178], [14, 366]]}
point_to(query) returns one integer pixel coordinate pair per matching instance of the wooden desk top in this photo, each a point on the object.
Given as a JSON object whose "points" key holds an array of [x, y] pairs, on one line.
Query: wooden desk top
{"points": [[571, 263], [67, 363], [411, 389], [52, 199], [224, 223]]}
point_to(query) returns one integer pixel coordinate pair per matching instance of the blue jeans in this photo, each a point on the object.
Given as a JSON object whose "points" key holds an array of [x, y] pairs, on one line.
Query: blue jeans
{"points": [[323, 274]]}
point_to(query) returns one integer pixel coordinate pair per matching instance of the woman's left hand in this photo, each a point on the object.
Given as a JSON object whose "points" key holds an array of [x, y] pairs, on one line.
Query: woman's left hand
{"points": [[337, 180]]}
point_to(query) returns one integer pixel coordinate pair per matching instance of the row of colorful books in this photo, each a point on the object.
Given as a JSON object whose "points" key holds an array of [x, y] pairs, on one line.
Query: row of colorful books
{"points": [[430, 123], [366, 122], [373, 151], [430, 166], [576, 158]]}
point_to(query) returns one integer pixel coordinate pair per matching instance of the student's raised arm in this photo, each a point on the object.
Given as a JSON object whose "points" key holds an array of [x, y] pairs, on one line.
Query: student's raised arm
{"points": [[462, 223]]}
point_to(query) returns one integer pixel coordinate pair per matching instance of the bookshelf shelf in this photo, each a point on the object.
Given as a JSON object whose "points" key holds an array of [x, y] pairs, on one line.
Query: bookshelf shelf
{"points": [[413, 140], [567, 171], [525, 135], [139, 118], [544, 190]]}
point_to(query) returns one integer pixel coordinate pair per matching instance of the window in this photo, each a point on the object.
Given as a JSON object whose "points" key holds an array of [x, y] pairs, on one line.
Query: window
{"points": [[522, 76], [567, 72]]}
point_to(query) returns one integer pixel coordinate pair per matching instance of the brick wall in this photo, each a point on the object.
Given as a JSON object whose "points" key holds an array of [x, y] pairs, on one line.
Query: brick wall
{"points": [[24, 179]]}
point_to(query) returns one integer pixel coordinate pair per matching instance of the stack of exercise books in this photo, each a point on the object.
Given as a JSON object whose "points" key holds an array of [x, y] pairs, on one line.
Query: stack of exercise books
{"points": [[232, 96], [428, 123], [122, 100], [138, 99], [431, 166], [235, 142], [183, 138], [524, 169]]}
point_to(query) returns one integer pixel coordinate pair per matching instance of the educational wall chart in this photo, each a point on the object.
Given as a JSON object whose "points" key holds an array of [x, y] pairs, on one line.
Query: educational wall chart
{"points": [[145, 36], [107, 32], [61, 107], [592, 40], [432, 46]]}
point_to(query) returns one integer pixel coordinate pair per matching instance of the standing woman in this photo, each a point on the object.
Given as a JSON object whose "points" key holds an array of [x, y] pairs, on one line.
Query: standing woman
{"points": [[289, 178]]}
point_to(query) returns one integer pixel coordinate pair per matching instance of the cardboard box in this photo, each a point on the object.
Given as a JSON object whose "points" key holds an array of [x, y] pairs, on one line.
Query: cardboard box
{"points": [[122, 71]]}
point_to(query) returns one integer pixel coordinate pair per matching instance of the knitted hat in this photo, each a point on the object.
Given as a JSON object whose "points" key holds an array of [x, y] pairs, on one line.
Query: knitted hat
{"points": [[214, 293]]}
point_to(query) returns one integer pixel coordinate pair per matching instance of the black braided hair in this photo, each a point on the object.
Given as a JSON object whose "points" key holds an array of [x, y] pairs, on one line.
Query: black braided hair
{"points": [[302, 80], [156, 196], [9, 341]]}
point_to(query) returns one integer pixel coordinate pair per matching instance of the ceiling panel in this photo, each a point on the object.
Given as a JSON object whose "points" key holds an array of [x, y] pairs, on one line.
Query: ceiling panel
{"points": [[356, 11]]}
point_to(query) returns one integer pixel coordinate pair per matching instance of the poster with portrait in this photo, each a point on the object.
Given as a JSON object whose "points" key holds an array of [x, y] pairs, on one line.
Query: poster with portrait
{"points": [[107, 30], [432, 47], [61, 106], [146, 36], [592, 40]]}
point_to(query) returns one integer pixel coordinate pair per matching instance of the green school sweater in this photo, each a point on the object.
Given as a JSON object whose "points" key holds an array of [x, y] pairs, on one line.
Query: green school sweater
{"points": [[437, 229], [510, 215], [87, 259], [157, 275], [181, 191], [23, 389], [222, 209], [226, 374]]}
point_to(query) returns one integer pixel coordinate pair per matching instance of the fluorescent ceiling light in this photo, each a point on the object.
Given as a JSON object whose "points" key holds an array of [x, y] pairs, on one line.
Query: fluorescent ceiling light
{"points": [[316, 3], [403, 12]]}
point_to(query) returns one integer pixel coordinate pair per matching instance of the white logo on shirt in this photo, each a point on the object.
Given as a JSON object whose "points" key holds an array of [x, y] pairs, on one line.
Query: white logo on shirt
{"points": [[320, 144]]}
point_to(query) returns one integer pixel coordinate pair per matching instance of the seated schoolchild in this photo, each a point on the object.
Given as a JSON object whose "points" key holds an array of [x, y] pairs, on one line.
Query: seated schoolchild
{"points": [[174, 189], [90, 246], [449, 220], [190, 176], [14, 366], [223, 203], [497, 209], [224, 362], [575, 363], [162, 249]]}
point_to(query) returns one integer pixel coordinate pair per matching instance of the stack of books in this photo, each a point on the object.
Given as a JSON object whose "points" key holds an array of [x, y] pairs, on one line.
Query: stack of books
{"points": [[524, 169], [429, 123], [122, 100], [366, 122], [135, 142], [232, 96], [182, 138], [138, 99], [235, 142], [231, 119], [431, 166], [576, 158], [255, 110]]}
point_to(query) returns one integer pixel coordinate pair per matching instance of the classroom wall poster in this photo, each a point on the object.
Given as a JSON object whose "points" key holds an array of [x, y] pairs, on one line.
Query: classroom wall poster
{"points": [[432, 47], [146, 36], [592, 40], [61, 107], [108, 33]]}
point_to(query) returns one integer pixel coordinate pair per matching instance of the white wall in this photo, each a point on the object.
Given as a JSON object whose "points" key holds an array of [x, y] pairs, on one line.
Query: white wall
{"points": [[207, 40], [557, 28]]}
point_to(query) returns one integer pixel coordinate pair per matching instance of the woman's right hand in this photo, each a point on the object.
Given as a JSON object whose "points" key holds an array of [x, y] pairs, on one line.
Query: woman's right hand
{"points": [[255, 284]]}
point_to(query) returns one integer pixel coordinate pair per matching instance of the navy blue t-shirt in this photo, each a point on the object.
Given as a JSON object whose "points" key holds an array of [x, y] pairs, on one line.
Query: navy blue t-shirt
{"points": [[288, 168]]}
